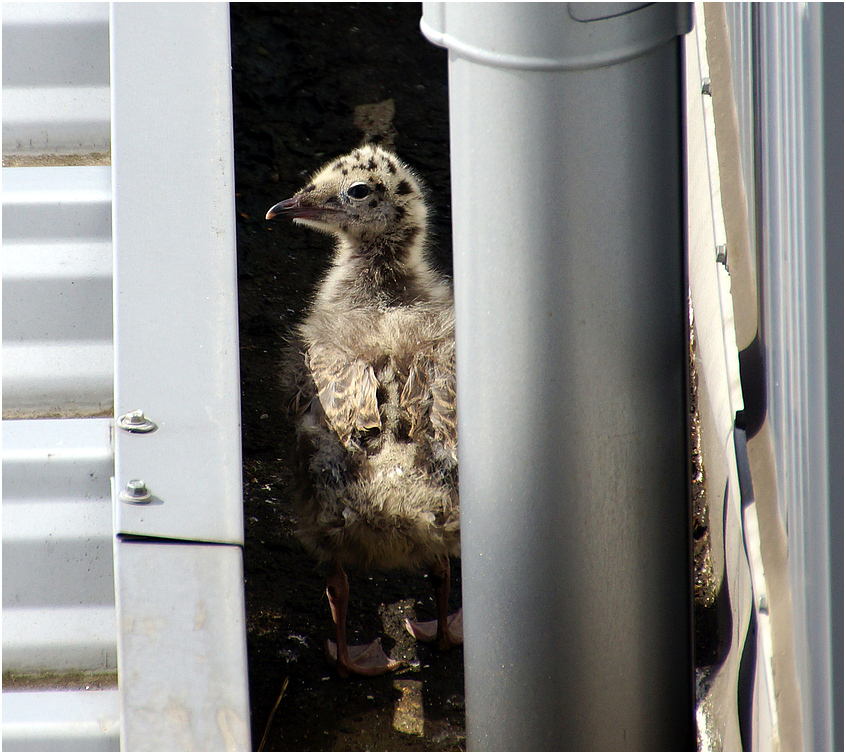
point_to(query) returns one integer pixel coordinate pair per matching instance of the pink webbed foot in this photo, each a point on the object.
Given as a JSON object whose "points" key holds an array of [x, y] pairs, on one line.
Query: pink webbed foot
{"points": [[451, 636], [365, 659]]}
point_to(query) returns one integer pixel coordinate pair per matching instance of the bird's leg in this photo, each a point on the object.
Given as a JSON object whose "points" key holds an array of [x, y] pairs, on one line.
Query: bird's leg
{"points": [[368, 659], [448, 630]]}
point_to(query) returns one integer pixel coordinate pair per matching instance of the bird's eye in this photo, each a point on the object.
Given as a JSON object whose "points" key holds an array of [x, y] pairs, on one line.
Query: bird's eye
{"points": [[358, 190]]}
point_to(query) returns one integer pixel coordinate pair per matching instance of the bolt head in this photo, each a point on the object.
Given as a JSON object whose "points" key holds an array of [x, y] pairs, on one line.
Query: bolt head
{"points": [[135, 492], [136, 422]]}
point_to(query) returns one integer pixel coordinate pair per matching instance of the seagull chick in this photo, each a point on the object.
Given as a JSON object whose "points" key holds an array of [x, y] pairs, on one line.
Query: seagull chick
{"points": [[371, 378]]}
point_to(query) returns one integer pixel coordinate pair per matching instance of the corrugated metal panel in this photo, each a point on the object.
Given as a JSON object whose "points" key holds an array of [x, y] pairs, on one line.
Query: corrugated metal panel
{"points": [[778, 72], [58, 580], [793, 260], [59, 614], [57, 292], [61, 721], [55, 77], [181, 650]]}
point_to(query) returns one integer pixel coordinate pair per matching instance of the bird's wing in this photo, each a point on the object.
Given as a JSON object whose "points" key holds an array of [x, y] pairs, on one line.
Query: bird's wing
{"points": [[429, 394], [347, 392], [443, 408], [415, 397]]}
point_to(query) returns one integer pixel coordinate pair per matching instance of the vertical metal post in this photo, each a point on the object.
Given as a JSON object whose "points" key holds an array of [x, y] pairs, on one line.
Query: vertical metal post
{"points": [[566, 131], [182, 652]]}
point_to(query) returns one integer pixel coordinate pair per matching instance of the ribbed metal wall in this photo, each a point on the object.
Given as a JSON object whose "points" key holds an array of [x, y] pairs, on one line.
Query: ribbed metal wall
{"points": [[78, 604], [57, 292], [59, 621], [778, 75], [739, 17], [55, 78], [793, 261], [58, 581]]}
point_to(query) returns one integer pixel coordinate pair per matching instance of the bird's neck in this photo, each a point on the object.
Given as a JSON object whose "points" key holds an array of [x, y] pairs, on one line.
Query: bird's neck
{"points": [[391, 269]]}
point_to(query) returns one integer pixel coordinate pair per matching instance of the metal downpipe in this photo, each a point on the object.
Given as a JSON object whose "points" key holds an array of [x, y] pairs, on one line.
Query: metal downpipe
{"points": [[568, 212]]}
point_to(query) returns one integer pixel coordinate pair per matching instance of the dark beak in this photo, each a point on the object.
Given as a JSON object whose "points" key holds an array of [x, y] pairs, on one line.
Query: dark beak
{"points": [[288, 207], [297, 206]]}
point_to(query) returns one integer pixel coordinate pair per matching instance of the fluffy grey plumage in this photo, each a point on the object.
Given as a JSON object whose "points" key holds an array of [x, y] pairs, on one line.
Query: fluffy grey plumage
{"points": [[372, 374]]}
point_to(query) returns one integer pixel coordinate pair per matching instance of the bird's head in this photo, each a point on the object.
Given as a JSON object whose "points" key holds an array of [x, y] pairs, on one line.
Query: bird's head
{"points": [[365, 194]]}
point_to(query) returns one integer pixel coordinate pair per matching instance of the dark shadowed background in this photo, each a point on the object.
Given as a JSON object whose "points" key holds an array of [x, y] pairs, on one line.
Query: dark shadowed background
{"points": [[312, 81]]}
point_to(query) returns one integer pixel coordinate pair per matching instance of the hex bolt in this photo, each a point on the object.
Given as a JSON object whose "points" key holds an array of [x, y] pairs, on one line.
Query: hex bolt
{"points": [[135, 492], [136, 422], [706, 86]]}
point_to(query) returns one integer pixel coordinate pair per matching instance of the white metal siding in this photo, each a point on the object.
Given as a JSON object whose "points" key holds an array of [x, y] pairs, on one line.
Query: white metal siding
{"points": [[57, 292], [78, 598], [58, 576], [55, 78], [793, 260], [777, 54], [61, 721], [176, 343], [59, 612]]}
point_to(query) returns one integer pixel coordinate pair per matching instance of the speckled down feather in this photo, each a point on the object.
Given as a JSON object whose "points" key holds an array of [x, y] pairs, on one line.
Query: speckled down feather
{"points": [[371, 375]]}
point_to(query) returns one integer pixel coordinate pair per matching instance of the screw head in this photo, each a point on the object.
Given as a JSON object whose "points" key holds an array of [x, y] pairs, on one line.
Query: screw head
{"points": [[135, 492], [706, 86], [136, 422]]}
